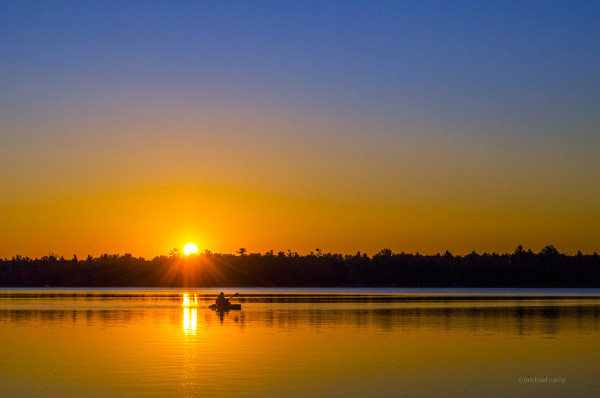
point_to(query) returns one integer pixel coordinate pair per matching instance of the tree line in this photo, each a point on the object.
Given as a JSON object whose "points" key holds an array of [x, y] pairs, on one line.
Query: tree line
{"points": [[522, 268]]}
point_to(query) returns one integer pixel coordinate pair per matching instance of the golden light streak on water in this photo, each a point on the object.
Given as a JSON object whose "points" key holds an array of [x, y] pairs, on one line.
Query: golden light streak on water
{"points": [[190, 320]]}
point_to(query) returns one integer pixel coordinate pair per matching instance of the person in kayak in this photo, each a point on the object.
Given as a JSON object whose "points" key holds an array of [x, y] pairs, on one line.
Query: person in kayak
{"points": [[222, 301]]}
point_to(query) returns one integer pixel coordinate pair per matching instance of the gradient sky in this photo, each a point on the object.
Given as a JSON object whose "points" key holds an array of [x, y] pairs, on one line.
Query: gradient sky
{"points": [[139, 126]]}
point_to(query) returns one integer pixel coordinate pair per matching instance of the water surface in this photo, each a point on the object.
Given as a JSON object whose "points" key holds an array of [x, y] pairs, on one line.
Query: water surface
{"points": [[300, 342]]}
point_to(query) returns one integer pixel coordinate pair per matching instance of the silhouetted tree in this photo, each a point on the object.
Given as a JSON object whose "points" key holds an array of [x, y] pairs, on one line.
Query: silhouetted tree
{"points": [[549, 251], [522, 268], [385, 253]]}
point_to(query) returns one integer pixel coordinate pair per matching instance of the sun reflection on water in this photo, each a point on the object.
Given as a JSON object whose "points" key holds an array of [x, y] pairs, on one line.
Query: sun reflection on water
{"points": [[190, 313], [190, 320], [188, 301]]}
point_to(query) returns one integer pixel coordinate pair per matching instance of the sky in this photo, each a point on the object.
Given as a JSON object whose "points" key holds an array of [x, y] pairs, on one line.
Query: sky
{"points": [[138, 126]]}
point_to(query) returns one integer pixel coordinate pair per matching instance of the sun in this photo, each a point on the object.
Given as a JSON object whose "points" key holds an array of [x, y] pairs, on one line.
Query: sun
{"points": [[190, 248]]}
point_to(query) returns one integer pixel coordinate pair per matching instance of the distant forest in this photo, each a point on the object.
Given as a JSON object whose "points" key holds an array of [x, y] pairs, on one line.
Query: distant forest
{"points": [[522, 268]]}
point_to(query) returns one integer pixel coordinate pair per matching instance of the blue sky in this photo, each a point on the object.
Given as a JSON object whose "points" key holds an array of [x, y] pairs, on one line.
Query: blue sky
{"points": [[419, 60]]}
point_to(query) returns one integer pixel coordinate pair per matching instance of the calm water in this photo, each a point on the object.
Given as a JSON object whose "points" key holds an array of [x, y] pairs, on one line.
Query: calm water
{"points": [[300, 342]]}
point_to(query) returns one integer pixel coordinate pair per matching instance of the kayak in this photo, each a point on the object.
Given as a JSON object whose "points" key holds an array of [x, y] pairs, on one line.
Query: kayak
{"points": [[229, 307]]}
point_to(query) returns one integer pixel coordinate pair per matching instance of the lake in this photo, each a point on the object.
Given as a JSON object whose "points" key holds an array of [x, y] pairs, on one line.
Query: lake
{"points": [[300, 343]]}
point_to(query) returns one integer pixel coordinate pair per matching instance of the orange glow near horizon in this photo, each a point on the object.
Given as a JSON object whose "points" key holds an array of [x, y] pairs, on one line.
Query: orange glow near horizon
{"points": [[142, 223], [442, 201]]}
